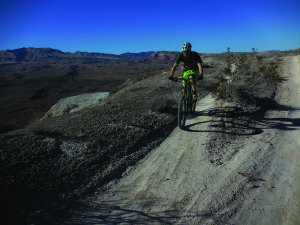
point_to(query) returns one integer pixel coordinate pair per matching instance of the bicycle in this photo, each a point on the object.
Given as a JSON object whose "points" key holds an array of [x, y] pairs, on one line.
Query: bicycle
{"points": [[186, 103]]}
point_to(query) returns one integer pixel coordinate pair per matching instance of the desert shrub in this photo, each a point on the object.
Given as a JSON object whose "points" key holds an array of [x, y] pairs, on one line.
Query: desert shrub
{"points": [[6, 126], [161, 103], [244, 77]]}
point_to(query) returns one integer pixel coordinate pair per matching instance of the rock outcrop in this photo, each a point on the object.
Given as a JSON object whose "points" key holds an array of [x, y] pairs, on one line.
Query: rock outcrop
{"points": [[75, 103], [164, 56]]}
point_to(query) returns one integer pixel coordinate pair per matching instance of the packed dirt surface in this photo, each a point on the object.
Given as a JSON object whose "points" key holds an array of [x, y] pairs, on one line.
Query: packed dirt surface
{"points": [[219, 170]]}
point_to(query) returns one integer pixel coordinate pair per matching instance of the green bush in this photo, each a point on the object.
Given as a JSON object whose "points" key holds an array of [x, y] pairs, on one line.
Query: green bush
{"points": [[245, 77], [161, 103]]}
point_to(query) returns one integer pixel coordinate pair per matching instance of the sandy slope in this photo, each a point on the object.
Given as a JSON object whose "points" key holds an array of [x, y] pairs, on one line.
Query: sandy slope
{"points": [[249, 179]]}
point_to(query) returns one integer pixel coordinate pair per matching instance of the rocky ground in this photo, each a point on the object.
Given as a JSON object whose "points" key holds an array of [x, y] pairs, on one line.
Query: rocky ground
{"points": [[63, 158], [50, 167]]}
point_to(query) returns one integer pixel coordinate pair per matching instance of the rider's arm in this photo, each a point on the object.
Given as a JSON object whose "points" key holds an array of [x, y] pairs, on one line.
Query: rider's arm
{"points": [[173, 69], [177, 61], [200, 68]]}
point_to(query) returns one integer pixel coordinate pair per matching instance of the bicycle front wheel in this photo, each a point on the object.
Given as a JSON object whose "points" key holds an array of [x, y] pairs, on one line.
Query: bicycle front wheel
{"points": [[182, 111], [193, 106]]}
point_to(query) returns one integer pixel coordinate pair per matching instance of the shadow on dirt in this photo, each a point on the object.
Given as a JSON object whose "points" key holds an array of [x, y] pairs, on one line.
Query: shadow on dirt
{"points": [[116, 212], [236, 121], [123, 215]]}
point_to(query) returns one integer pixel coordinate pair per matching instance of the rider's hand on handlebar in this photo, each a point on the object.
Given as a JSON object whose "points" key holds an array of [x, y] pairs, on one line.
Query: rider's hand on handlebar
{"points": [[173, 78]]}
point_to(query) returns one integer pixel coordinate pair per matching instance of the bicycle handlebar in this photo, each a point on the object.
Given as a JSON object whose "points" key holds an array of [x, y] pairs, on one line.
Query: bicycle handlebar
{"points": [[175, 79]]}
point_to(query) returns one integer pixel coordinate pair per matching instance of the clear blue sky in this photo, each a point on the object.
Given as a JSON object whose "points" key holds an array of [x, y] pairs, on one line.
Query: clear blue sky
{"points": [[119, 26]]}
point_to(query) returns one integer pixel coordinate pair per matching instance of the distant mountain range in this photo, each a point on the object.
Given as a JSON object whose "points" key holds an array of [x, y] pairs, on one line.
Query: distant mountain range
{"points": [[137, 55], [48, 54]]}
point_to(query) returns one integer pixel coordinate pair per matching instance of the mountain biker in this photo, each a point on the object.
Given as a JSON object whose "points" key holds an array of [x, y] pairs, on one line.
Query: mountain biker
{"points": [[192, 65]]}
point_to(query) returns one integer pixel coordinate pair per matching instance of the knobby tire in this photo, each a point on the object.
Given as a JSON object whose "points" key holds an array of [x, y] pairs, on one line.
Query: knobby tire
{"points": [[182, 112]]}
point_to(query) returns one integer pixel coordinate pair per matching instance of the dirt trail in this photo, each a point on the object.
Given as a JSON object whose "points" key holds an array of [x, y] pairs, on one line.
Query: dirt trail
{"points": [[245, 179]]}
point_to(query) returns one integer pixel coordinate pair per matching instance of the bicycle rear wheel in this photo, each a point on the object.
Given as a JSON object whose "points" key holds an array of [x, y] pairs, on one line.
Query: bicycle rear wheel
{"points": [[182, 111]]}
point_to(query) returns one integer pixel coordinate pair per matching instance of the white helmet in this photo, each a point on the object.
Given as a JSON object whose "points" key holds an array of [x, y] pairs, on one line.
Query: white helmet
{"points": [[186, 46]]}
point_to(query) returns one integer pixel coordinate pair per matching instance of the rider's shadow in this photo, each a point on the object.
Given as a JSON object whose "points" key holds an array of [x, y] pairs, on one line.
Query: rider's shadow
{"points": [[233, 120]]}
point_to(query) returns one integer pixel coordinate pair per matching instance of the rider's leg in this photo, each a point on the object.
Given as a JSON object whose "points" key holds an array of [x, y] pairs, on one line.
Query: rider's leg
{"points": [[186, 74], [195, 96], [194, 87]]}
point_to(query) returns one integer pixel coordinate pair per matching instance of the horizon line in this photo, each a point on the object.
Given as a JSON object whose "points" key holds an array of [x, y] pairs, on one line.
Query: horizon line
{"points": [[72, 52]]}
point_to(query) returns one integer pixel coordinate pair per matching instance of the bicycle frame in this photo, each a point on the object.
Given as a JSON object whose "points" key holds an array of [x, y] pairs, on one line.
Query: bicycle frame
{"points": [[186, 103]]}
